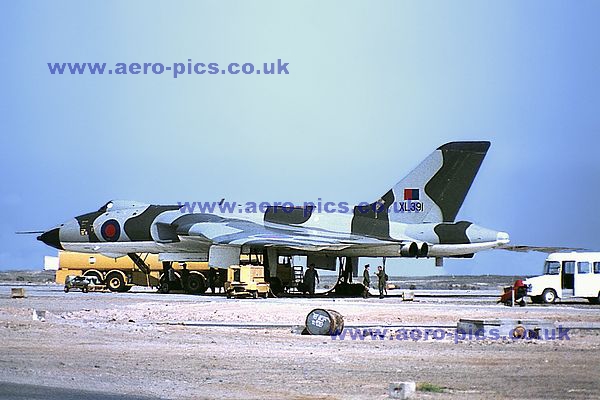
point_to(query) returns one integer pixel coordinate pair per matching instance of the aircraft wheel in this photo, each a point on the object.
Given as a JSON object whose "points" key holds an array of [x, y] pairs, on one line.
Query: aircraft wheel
{"points": [[549, 296]]}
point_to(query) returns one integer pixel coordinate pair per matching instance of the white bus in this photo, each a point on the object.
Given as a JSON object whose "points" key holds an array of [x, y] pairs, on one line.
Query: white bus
{"points": [[567, 275]]}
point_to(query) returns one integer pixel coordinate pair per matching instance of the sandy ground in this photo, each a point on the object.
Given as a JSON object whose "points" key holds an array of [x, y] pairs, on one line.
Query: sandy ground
{"points": [[138, 344]]}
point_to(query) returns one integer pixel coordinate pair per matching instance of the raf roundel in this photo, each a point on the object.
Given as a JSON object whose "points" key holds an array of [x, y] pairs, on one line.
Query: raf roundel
{"points": [[110, 230]]}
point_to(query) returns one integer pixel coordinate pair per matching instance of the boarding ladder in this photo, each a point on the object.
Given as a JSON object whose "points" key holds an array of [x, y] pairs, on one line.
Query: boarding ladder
{"points": [[297, 276], [140, 263]]}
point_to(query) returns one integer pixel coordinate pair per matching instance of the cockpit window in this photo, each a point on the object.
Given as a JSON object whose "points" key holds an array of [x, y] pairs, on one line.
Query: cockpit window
{"points": [[106, 207], [115, 205]]}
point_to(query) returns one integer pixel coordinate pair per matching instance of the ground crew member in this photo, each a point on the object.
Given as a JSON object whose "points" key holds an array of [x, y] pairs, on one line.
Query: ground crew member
{"points": [[366, 281], [167, 281], [382, 281], [212, 279], [171, 274], [311, 278], [219, 280]]}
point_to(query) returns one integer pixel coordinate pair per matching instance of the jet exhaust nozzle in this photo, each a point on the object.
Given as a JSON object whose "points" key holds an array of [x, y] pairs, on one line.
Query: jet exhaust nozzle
{"points": [[423, 249], [409, 250]]}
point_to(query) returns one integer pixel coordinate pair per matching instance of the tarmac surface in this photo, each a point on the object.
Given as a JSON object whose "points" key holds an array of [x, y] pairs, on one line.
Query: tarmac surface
{"points": [[13, 391], [142, 344]]}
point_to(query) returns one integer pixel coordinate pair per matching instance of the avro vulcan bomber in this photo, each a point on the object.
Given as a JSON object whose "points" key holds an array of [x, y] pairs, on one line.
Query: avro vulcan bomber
{"points": [[415, 218]]}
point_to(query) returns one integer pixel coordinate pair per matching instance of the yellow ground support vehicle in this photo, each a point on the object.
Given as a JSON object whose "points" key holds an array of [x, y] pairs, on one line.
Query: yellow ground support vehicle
{"points": [[120, 274], [246, 280], [83, 283]]}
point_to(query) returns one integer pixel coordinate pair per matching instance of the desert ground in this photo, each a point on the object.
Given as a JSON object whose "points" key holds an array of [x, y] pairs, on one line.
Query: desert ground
{"points": [[142, 344]]}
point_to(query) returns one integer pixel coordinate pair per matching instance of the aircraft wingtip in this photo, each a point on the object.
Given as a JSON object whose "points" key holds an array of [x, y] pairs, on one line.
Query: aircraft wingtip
{"points": [[472, 146]]}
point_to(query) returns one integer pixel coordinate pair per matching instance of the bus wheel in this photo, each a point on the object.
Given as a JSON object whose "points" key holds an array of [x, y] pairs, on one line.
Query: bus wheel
{"points": [[115, 282], [549, 296], [195, 284]]}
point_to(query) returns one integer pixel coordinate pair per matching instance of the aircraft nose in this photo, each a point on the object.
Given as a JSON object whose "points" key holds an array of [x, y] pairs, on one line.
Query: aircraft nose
{"points": [[51, 238], [503, 237]]}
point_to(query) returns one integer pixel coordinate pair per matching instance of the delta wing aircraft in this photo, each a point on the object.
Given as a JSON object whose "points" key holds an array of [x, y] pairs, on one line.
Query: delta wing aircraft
{"points": [[415, 218]]}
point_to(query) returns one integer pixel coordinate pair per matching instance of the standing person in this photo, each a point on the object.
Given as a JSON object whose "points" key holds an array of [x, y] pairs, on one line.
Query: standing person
{"points": [[311, 278], [219, 280], [381, 276], [366, 281], [212, 279]]}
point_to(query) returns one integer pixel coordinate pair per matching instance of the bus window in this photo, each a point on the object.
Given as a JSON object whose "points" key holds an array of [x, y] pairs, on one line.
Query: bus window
{"points": [[583, 267], [597, 267], [552, 268], [569, 267], [568, 275]]}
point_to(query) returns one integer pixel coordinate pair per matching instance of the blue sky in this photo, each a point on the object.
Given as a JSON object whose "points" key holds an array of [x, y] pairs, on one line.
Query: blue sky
{"points": [[373, 88]]}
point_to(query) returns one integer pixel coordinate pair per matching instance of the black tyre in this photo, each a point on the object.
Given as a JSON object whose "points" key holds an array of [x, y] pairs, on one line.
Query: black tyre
{"points": [[536, 299], [276, 285], [549, 296], [115, 282], [66, 289], [84, 289], [164, 287], [196, 284]]}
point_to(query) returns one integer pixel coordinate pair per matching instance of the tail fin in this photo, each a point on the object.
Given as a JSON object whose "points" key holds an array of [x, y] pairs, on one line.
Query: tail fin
{"points": [[435, 190]]}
